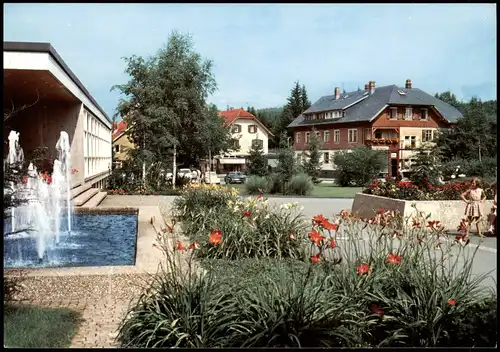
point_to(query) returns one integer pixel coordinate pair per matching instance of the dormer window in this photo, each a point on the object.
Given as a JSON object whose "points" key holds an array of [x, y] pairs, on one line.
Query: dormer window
{"points": [[252, 129], [424, 114], [236, 129]]}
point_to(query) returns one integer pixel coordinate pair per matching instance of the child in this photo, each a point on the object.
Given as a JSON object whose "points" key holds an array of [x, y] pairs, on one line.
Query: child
{"points": [[474, 197], [492, 218]]}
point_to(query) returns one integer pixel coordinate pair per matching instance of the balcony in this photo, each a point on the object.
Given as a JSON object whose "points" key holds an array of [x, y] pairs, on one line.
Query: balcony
{"points": [[382, 141]]}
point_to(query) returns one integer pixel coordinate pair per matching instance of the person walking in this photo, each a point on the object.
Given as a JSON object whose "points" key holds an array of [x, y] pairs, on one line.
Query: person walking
{"points": [[474, 197], [492, 218]]}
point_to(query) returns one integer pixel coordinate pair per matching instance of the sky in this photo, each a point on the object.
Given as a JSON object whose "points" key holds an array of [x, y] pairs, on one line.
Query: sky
{"points": [[260, 50]]}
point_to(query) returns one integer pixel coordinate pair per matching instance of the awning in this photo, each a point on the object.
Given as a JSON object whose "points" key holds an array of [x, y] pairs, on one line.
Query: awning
{"points": [[232, 161]]}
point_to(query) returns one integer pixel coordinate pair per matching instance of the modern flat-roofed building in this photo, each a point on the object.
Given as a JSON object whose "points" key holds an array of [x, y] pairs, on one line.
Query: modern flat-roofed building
{"points": [[55, 100]]}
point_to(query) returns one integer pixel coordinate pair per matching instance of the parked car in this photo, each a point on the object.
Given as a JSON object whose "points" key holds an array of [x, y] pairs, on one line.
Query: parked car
{"points": [[185, 173], [211, 177], [235, 177]]}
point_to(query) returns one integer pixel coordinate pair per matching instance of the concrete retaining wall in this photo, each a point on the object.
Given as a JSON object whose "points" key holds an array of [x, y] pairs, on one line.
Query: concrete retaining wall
{"points": [[449, 212]]}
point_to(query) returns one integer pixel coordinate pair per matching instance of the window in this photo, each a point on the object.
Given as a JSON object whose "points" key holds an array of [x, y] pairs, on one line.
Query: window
{"points": [[343, 113], [117, 148], [326, 158], [236, 129], [252, 129], [317, 134], [97, 147], [368, 134], [408, 114], [336, 136], [236, 144], [352, 136], [426, 135], [435, 134], [257, 143], [424, 114], [297, 137], [378, 135], [307, 137], [410, 142], [394, 114], [326, 136]]}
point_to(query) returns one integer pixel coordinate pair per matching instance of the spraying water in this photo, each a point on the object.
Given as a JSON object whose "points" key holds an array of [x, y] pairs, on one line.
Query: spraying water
{"points": [[63, 154], [39, 216]]}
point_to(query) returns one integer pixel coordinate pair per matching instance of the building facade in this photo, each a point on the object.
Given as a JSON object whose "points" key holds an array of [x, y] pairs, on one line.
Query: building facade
{"points": [[393, 119], [248, 130], [49, 98], [121, 143]]}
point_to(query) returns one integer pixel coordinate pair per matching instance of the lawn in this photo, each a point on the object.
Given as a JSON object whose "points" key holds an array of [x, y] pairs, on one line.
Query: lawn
{"points": [[35, 327], [321, 190]]}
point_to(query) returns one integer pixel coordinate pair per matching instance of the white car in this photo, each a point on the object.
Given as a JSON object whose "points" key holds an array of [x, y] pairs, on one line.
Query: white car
{"points": [[185, 173], [211, 177]]}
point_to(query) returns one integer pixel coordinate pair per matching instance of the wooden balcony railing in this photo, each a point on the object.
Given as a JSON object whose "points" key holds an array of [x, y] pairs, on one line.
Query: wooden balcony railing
{"points": [[383, 141]]}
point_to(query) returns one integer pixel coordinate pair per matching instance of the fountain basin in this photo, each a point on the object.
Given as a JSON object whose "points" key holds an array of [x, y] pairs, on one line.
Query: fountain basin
{"points": [[106, 237]]}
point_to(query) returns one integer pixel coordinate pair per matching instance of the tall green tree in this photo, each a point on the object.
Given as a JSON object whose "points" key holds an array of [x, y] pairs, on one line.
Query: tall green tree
{"points": [[312, 163], [304, 99], [165, 104], [256, 160], [450, 98], [473, 137], [287, 165]]}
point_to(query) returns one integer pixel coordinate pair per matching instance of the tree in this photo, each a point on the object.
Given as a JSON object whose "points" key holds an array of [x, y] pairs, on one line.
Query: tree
{"points": [[359, 166], [425, 170], [297, 103], [286, 168], [473, 137], [450, 98], [165, 104], [312, 165], [256, 160]]}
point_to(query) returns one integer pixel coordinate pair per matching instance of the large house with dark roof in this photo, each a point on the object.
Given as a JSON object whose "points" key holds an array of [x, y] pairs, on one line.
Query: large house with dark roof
{"points": [[390, 118], [247, 130]]}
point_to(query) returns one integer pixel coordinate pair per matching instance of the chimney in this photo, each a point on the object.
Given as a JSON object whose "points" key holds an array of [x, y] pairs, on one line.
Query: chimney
{"points": [[371, 85], [408, 84], [337, 93], [366, 87]]}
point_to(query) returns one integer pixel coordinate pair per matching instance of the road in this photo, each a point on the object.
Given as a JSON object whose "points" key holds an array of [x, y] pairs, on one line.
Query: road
{"points": [[484, 261]]}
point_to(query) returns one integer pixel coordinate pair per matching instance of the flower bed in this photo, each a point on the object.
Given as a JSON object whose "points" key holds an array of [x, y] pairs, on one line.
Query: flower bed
{"points": [[338, 282], [409, 191]]}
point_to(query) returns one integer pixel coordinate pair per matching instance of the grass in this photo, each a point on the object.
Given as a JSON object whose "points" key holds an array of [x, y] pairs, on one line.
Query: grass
{"points": [[321, 190], [35, 327]]}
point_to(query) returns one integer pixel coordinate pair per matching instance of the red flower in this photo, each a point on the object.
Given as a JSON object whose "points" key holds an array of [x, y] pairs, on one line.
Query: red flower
{"points": [[246, 213], [179, 246], [463, 240], [363, 269], [25, 180], [452, 302], [416, 224], [394, 258], [434, 225], [345, 214], [194, 245], [74, 171], [292, 236], [332, 243], [170, 228], [316, 258], [329, 226], [259, 196], [319, 219], [463, 226], [377, 310], [381, 211], [316, 237], [215, 237]]}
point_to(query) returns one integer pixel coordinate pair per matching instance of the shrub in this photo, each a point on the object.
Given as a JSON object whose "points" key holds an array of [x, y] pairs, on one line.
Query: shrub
{"points": [[300, 185], [250, 229], [256, 185], [359, 166], [196, 198], [486, 168], [409, 191]]}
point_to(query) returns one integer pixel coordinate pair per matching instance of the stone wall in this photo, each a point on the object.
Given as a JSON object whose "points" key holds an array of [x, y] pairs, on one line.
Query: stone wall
{"points": [[449, 212]]}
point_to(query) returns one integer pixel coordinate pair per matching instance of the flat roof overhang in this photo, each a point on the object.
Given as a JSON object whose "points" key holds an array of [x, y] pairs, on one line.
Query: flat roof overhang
{"points": [[35, 57]]}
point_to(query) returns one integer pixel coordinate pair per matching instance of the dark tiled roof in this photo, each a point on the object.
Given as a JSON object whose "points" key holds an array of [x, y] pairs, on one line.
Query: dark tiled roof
{"points": [[366, 109]]}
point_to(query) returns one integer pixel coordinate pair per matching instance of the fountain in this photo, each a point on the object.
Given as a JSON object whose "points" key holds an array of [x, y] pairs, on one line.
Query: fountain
{"points": [[39, 215], [43, 231]]}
